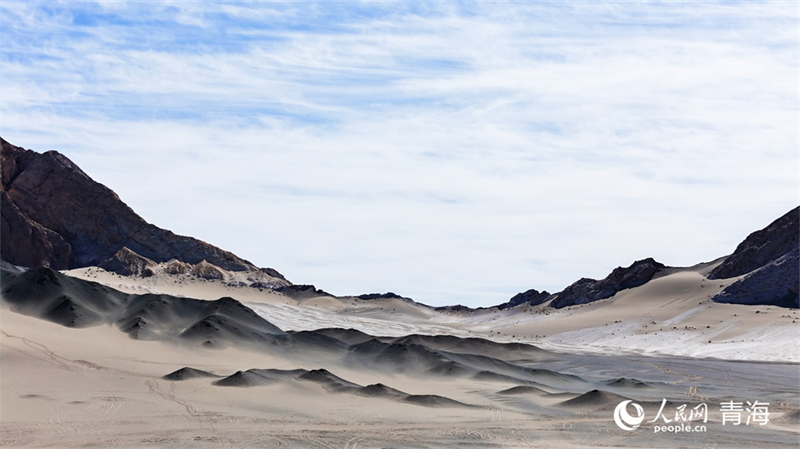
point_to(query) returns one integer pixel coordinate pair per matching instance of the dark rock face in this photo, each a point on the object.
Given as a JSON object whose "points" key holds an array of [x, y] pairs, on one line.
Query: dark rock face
{"points": [[532, 297], [775, 284], [301, 291], [588, 290], [55, 215], [458, 308], [272, 272], [388, 295], [762, 247], [27, 243]]}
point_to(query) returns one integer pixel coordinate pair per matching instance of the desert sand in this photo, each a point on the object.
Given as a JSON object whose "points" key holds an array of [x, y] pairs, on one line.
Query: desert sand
{"points": [[534, 377], [670, 315]]}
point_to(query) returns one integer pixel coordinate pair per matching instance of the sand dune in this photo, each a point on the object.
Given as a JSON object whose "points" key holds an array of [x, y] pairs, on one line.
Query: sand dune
{"points": [[671, 315], [155, 369], [74, 387], [594, 400], [188, 373]]}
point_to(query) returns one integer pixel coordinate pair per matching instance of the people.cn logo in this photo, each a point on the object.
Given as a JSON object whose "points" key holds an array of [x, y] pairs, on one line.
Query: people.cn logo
{"points": [[624, 419]]}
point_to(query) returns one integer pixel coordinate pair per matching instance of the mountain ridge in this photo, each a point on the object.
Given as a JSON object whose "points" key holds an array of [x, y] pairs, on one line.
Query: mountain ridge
{"points": [[54, 215], [47, 221]]}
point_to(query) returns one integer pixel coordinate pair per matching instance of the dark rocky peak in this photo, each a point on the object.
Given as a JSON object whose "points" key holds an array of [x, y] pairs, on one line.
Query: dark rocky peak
{"points": [[302, 291], [272, 273], [775, 284], [588, 290], [55, 215], [762, 247], [15, 160], [388, 295], [458, 308], [532, 297]]}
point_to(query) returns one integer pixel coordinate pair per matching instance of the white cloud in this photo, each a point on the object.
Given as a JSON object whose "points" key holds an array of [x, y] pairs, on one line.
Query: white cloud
{"points": [[445, 153]]}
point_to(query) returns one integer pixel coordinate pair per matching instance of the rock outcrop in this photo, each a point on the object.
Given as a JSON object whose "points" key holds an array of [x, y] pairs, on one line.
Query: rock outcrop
{"points": [[54, 215], [776, 284], [128, 263], [302, 291], [387, 295], [27, 243], [589, 290], [532, 297], [762, 247]]}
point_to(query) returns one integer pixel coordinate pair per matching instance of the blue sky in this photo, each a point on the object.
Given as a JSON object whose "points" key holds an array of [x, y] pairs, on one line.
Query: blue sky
{"points": [[453, 152]]}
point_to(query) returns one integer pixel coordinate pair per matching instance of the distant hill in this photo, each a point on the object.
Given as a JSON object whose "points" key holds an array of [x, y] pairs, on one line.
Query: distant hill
{"points": [[769, 258]]}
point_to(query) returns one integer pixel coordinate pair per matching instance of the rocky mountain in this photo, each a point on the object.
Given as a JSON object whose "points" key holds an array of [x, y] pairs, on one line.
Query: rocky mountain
{"points": [[588, 290], [54, 215], [532, 297], [762, 247], [770, 260]]}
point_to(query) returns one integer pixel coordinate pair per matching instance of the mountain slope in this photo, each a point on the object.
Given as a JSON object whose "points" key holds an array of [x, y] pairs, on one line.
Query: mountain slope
{"points": [[770, 259], [762, 247], [55, 215]]}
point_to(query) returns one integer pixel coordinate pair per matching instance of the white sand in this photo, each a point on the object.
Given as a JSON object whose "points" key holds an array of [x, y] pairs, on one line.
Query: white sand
{"points": [[679, 305]]}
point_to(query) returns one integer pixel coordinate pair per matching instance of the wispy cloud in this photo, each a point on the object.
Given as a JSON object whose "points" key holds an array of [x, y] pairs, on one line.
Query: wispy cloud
{"points": [[453, 152]]}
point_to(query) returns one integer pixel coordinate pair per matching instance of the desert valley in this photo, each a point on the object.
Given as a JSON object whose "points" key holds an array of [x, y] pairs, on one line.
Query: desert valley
{"points": [[118, 333]]}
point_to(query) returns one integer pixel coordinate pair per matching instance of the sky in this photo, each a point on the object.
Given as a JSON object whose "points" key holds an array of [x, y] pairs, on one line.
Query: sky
{"points": [[451, 152]]}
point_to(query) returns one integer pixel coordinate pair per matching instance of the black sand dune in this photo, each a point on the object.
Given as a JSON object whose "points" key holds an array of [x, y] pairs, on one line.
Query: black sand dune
{"points": [[449, 343], [417, 359], [49, 295], [523, 390], [368, 348], [450, 368], [539, 375], [307, 341], [213, 323], [401, 358], [349, 336], [330, 381], [595, 400], [381, 391], [52, 296], [495, 377], [66, 312], [336, 384], [432, 400], [624, 382], [259, 377], [187, 373], [221, 331], [476, 346]]}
